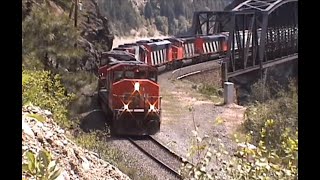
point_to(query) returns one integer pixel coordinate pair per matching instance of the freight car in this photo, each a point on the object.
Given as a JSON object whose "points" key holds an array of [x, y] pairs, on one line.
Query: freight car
{"points": [[127, 88]]}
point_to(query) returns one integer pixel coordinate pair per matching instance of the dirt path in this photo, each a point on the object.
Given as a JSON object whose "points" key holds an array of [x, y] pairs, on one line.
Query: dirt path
{"points": [[177, 120]]}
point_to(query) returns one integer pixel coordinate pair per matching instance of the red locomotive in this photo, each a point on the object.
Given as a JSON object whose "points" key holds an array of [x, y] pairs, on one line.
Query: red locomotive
{"points": [[129, 93], [128, 89]]}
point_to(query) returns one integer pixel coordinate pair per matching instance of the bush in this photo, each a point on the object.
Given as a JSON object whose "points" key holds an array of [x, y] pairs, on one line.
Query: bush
{"points": [[267, 163], [270, 150], [274, 118], [43, 89], [41, 166], [211, 91], [251, 162]]}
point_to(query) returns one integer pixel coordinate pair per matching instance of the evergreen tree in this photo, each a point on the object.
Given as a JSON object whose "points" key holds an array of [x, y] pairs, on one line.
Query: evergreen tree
{"points": [[148, 10], [48, 39]]}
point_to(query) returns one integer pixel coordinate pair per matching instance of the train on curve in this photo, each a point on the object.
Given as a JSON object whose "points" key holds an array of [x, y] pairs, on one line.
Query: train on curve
{"points": [[128, 89]]}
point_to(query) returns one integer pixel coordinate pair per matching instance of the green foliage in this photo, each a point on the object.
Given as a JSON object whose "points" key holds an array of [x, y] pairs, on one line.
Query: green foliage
{"points": [[65, 4], [123, 15], [269, 151], [202, 154], [264, 90], [41, 166], [148, 10], [162, 24], [38, 117], [211, 92], [45, 90], [263, 163], [178, 13], [274, 118], [48, 39], [208, 89], [250, 163], [97, 142]]}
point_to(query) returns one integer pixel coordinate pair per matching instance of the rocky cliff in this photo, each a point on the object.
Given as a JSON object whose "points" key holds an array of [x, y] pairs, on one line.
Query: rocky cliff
{"points": [[39, 131], [95, 35]]}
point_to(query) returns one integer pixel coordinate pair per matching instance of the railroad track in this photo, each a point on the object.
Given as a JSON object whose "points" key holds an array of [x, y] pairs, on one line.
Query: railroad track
{"points": [[193, 73], [195, 69], [159, 153]]}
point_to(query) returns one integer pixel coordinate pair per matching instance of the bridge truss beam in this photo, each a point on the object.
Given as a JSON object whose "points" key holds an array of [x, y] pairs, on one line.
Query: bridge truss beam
{"points": [[259, 31]]}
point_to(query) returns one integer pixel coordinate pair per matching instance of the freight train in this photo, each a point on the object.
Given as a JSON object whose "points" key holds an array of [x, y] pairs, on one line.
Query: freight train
{"points": [[128, 89]]}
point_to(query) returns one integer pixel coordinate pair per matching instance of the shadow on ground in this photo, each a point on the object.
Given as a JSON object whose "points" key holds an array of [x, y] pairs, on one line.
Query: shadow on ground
{"points": [[93, 120], [90, 115]]}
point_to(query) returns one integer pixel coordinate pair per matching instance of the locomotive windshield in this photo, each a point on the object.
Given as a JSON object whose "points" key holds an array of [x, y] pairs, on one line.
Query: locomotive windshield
{"points": [[118, 75]]}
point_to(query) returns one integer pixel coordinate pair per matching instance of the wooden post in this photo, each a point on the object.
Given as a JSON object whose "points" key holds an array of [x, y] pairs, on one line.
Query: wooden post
{"points": [[224, 73], [76, 13]]}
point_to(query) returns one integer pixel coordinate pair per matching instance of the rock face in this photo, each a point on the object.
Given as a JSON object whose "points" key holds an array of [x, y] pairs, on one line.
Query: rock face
{"points": [[94, 30], [74, 162], [95, 34]]}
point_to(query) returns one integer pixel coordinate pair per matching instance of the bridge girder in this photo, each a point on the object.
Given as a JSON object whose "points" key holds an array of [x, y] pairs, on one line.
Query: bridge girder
{"points": [[259, 31]]}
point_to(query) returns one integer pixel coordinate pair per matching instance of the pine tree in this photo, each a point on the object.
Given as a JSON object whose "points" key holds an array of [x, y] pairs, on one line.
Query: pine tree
{"points": [[48, 39], [148, 11]]}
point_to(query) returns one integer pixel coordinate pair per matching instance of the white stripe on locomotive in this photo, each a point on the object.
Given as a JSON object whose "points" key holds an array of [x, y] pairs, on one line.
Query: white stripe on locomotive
{"points": [[217, 46], [212, 46], [185, 49], [192, 48], [204, 47], [161, 56], [152, 63], [208, 47], [156, 59], [189, 50]]}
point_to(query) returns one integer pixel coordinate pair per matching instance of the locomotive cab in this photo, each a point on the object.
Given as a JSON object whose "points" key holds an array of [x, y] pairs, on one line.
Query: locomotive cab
{"points": [[130, 94]]}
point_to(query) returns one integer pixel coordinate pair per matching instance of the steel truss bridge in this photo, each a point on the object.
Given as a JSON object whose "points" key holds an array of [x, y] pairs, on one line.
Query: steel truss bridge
{"points": [[262, 33]]}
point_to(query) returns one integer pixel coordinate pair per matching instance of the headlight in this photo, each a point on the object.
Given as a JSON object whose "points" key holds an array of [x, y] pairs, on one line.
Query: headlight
{"points": [[126, 107], [152, 108], [136, 86]]}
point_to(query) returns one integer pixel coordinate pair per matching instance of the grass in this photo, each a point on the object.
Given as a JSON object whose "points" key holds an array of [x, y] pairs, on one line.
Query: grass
{"points": [[96, 141], [211, 92]]}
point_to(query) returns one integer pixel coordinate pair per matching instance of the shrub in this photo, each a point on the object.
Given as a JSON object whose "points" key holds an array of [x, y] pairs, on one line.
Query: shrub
{"points": [[251, 162], [43, 89], [273, 118], [269, 151], [41, 166]]}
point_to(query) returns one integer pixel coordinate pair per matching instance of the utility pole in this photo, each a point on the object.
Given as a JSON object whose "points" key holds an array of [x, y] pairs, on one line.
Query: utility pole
{"points": [[76, 13]]}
